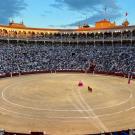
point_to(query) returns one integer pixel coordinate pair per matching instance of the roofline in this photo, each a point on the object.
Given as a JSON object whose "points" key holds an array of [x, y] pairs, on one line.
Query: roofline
{"points": [[111, 28], [68, 30], [32, 28], [104, 20]]}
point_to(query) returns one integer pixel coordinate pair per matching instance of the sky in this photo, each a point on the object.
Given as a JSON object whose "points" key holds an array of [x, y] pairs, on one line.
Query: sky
{"points": [[65, 13]]}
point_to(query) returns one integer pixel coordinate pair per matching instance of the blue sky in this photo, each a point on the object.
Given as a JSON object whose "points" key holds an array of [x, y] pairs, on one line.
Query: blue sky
{"points": [[65, 13]]}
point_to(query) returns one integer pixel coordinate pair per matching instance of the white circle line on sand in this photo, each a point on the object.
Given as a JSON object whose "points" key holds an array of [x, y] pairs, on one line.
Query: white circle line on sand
{"points": [[33, 117], [76, 110], [58, 110], [123, 102], [85, 117], [33, 108]]}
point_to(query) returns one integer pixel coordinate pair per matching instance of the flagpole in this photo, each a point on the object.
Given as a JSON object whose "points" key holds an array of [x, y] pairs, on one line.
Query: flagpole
{"points": [[105, 13]]}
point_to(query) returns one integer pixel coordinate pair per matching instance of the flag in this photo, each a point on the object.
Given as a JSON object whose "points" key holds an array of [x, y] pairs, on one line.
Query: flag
{"points": [[126, 14]]}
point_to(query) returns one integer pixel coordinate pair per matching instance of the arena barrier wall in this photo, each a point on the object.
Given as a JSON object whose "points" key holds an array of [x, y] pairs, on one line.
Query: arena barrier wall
{"points": [[64, 71], [123, 132], [13, 133]]}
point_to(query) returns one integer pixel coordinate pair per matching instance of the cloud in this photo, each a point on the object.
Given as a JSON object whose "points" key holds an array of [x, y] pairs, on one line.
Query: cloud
{"points": [[95, 9], [85, 5], [96, 17], [10, 9]]}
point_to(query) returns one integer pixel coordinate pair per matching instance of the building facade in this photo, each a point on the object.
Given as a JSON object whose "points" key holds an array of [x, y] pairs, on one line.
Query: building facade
{"points": [[104, 32]]}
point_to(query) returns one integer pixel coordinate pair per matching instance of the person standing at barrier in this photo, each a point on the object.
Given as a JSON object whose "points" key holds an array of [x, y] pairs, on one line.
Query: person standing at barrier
{"points": [[92, 66]]}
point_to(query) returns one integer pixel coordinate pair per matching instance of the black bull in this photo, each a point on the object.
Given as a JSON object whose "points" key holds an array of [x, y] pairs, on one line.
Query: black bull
{"points": [[89, 89]]}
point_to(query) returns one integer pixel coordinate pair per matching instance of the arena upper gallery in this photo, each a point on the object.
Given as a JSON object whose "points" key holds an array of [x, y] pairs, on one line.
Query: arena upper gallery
{"points": [[103, 31]]}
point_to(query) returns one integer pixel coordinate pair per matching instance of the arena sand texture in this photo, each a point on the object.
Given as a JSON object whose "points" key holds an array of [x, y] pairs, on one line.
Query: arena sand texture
{"points": [[54, 103]]}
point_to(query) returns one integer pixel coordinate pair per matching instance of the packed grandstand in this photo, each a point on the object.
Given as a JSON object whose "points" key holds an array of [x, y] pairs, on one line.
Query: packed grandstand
{"points": [[33, 56], [24, 49]]}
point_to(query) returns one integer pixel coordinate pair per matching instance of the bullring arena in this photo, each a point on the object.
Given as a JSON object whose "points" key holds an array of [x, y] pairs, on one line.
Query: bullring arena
{"points": [[40, 69], [54, 103]]}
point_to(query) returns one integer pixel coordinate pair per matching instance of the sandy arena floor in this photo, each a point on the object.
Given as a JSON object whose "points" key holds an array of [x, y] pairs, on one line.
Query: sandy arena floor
{"points": [[55, 104]]}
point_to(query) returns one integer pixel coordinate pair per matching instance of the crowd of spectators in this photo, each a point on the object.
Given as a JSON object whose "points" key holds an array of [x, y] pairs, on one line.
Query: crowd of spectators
{"points": [[34, 56]]}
